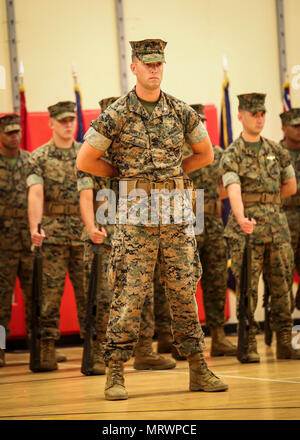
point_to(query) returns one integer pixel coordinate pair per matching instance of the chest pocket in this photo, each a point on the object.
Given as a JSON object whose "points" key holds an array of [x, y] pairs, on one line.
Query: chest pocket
{"points": [[168, 149], [272, 166], [133, 152], [249, 169]]}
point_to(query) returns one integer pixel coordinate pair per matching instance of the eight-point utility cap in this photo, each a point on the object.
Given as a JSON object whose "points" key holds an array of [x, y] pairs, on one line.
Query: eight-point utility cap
{"points": [[106, 102], [291, 117], [252, 102], [200, 110], [63, 109], [10, 123], [149, 51]]}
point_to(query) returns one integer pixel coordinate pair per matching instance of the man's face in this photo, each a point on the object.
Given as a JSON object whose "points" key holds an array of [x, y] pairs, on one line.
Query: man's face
{"points": [[292, 133], [253, 123], [11, 140], [149, 76], [64, 128]]}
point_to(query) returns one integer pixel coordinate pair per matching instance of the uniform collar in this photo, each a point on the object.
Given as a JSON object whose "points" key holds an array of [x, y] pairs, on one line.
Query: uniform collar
{"points": [[56, 152], [135, 106]]}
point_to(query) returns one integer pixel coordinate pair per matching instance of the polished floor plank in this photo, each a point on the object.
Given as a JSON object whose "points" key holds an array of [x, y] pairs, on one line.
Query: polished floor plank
{"points": [[268, 390]]}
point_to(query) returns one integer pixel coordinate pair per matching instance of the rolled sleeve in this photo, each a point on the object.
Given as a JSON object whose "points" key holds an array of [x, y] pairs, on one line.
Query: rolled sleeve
{"points": [[34, 179], [229, 178], [85, 183], [197, 135], [97, 140], [288, 172]]}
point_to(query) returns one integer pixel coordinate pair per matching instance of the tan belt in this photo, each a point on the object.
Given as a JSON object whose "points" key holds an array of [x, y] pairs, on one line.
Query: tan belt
{"points": [[250, 199], [51, 208], [291, 202], [212, 207], [148, 186], [6, 212]]}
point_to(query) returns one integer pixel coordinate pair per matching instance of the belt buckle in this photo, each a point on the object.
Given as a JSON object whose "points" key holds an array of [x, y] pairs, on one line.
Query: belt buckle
{"points": [[264, 198]]}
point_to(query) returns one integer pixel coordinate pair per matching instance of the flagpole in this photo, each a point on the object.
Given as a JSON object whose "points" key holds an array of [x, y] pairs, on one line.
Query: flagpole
{"points": [[80, 121], [21, 77]]}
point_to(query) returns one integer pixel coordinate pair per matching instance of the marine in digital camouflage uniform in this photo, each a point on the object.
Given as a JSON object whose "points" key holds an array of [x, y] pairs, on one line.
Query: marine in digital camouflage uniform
{"points": [[146, 150], [145, 358], [291, 205], [16, 258], [257, 173], [54, 200]]}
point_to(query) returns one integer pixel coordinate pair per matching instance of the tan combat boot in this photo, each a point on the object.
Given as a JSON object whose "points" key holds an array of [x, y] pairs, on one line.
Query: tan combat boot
{"points": [[60, 357], [99, 364], [2, 357], [147, 359], [220, 346], [176, 355], [164, 342], [201, 378], [253, 356], [284, 349], [47, 355], [115, 387]]}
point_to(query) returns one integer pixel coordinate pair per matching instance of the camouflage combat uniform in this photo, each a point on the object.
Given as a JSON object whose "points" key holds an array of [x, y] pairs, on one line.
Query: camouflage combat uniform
{"points": [[147, 148], [62, 248], [291, 205], [260, 176], [105, 293], [16, 258]]}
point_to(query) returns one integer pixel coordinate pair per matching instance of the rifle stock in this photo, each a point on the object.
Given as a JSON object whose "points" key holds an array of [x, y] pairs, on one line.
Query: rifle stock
{"points": [[243, 325], [90, 320], [36, 293]]}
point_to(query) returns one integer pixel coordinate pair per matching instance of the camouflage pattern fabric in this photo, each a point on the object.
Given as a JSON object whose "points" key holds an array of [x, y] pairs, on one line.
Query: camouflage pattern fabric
{"points": [[106, 102], [150, 147], [291, 117], [62, 248], [211, 244], [10, 123], [16, 258], [56, 172], [131, 276], [291, 208], [105, 293], [252, 102], [262, 172], [57, 260], [63, 109], [149, 51], [161, 305]]}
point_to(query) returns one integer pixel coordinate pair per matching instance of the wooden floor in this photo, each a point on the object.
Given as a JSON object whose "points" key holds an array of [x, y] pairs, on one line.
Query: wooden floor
{"points": [[269, 390]]}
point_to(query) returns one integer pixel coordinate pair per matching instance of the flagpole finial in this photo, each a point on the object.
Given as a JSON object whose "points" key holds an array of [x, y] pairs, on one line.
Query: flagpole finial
{"points": [[21, 74], [225, 63], [74, 73]]}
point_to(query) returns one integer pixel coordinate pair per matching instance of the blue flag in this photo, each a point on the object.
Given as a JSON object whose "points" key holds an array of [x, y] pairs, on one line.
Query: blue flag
{"points": [[225, 136], [226, 139], [80, 123]]}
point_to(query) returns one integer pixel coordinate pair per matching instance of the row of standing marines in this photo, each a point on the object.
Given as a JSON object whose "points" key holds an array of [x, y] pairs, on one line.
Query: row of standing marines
{"points": [[149, 273]]}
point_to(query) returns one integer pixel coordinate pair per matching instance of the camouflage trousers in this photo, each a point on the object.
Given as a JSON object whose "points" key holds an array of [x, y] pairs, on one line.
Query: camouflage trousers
{"points": [[15, 264], [131, 269], [57, 260], [162, 316], [105, 294], [275, 261], [293, 217], [213, 256]]}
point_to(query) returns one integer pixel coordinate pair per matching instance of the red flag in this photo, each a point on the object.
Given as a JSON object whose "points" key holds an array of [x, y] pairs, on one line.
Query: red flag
{"points": [[24, 121]]}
